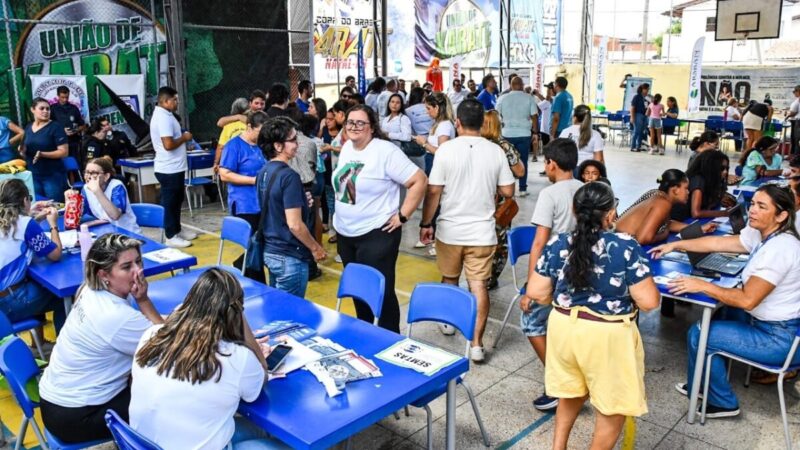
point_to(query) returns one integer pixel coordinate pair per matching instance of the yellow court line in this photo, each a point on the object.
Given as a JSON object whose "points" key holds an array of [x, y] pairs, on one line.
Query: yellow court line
{"points": [[629, 434]]}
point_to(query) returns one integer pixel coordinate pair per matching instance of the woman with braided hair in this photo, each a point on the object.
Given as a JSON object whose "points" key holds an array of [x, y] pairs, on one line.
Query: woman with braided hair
{"points": [[596, 281]]}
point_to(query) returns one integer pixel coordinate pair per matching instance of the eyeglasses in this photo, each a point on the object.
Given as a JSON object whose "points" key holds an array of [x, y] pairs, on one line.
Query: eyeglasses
{"points": [[356, 124], [294, 139], [346, 96], [92, 173]]}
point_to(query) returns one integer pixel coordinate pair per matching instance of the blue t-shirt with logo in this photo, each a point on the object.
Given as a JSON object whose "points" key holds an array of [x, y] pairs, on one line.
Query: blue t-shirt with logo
{"points": [[286, 193], [563, 105], [242, 158], [488, 99]]}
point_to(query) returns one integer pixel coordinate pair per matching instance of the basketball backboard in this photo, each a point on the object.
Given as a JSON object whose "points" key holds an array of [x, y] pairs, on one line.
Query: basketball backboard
{"points": [[748, 19]]}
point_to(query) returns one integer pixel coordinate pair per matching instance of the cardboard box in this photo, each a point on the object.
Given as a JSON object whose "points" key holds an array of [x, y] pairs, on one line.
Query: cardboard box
{"points": [[150, 193]]}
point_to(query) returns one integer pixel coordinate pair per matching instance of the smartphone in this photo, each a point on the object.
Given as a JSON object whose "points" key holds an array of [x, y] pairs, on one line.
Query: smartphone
{"points": [[277, 356]]}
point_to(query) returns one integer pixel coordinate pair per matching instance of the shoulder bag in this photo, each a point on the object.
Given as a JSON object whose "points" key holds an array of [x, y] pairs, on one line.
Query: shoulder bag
{"points": [[255, 251], [505, 213]]}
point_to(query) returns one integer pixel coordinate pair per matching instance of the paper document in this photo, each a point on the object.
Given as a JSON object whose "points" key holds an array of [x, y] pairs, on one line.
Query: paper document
{"points": [[418, 356], [335, 370], [166, 255], [69, 238], [727, 282], [721, 220]]}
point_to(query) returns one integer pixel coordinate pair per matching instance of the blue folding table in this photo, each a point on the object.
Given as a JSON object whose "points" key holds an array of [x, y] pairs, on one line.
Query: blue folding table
{"points": [[297, 410]]}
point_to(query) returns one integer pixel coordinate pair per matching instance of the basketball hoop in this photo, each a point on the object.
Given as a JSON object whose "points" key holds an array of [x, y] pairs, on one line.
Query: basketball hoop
{"points": [[741, 39]]}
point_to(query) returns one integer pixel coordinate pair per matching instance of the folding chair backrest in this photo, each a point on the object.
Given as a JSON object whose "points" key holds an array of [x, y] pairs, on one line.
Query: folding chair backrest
{"points": [[71, 164], [362, 283], [198, 162], [520, 240], [670, 122], [19, 367], [236, 230], [6, 329], [733, 125], [126, 437], [714, 118], [738, 170], [443, 303], [148, 215]]}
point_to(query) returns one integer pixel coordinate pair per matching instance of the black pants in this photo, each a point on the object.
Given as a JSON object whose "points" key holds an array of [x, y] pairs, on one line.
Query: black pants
{"points": [[252, 219], [87, 423], [794, 135], [172, 194], [376, 249]]}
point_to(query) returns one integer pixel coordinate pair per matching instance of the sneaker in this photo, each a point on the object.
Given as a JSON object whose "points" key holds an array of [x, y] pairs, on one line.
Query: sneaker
{"points": [[716, 412], [419, 244], [522, 194], [662, 151], [477, 354], [432, 250], [683, 388], [187, 235], [545, 403], [177, 242], [652, 151], [447, 330], [338, 259]]}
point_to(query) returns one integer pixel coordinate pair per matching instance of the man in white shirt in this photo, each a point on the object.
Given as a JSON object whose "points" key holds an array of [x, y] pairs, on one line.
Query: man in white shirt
{"points": [[457, 94], [169, 143], [466, 174], [520, 120]]}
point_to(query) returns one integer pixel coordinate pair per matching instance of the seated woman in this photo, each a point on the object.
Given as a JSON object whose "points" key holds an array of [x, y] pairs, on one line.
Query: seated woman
{"points": [[204, 354], [106, 196], [596, 279], [647, 219], [708, 176], [761, 160], [760, 318], [91, 362], [21, 237], [592, 170]]}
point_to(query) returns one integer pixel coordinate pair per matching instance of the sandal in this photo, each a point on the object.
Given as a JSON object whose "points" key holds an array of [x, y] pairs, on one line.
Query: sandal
{"points": [[761, 377], [332, 239]]}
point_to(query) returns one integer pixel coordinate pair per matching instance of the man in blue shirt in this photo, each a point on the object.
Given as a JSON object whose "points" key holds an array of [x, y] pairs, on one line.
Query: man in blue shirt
{"points": [[638, 117], [305, 90], [561, 113], [488, 95], [70, 118]]}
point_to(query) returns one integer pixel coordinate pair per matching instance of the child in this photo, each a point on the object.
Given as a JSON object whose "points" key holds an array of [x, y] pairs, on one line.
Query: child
{"points": [[655, 112]]}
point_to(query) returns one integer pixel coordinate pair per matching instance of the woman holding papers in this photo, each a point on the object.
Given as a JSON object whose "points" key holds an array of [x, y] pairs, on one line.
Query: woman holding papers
{"points": [[91, 362], [761, 317], [190, 373], [106, 196], [596, 280]]}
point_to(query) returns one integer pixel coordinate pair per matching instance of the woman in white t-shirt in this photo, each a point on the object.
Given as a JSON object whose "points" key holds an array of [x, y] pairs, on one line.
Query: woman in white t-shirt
{"points": [[761, 317], [190, 373], [590, 142], [89, 368], [439, 109], [367, 185]]}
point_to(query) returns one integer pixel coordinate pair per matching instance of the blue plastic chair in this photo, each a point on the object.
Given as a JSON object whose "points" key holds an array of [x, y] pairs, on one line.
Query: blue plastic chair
{"points": [[714, 125], [520, 241], [71, 166], [452, 305], [733, 130], [149, 215], [7, 329], [195, 163], [126, 437], [738, 170], [712, 117], [236, 230], [20, 369], [362, 283], [781, 371]]}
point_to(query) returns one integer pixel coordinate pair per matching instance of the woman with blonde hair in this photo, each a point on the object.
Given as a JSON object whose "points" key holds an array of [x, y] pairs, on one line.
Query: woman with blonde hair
{"points": [[491, 130], [590, 142], [91, 362], [204, 354], [106, 197]]}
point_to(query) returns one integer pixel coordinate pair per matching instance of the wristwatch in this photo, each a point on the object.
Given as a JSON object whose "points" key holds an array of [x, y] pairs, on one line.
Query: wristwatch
{"points": [[425, 225], [403, 219]]}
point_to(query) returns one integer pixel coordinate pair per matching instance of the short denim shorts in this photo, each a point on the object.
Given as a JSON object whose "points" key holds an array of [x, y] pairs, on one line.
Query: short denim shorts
{"points": [[534, 322], [654, 123]]}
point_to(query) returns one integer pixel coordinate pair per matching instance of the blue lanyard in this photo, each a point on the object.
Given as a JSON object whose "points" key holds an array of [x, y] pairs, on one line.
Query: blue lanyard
{"points": [[764, 242]]}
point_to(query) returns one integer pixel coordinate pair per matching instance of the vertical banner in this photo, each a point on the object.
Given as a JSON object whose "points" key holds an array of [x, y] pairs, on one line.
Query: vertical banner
{"points": [[694, 75], [45, 87], [537, 75], [448, 28], [455, 69], [400, 36], [338, 29], [551, 24], [362, 76], [527, 29], [600, 88]]}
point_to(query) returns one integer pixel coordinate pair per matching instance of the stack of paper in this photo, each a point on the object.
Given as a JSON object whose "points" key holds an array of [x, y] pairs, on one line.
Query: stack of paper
{"points": [[166, 255], [418, 356]]}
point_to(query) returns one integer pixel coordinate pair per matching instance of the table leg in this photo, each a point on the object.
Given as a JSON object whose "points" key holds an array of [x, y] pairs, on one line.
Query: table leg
{"points": [[451, 414], [705, 324], [139, 183]]}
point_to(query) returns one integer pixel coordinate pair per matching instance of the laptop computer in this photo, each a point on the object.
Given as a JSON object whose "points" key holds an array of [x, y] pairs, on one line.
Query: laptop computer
{"points": [[710, 264]]}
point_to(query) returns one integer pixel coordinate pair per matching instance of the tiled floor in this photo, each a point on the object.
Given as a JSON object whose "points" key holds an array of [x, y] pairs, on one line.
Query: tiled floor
{"points": [[512, 377]]}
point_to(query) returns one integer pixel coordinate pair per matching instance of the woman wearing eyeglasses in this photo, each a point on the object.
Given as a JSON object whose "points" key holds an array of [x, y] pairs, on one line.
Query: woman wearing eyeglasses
{"points": [[367, 184], [106, 196]]}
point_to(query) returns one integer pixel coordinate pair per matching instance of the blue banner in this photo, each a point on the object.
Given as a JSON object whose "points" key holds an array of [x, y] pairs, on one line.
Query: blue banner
{"points": [[527, 31], [362, 76], [551, 24]]}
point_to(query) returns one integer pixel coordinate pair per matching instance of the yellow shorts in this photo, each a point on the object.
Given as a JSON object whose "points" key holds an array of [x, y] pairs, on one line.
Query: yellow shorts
{"points": [[475, 260], [604, 360]]}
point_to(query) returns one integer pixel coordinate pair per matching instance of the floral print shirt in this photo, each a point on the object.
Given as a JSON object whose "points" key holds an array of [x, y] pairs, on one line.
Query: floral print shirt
{"points": [[619, 263]]}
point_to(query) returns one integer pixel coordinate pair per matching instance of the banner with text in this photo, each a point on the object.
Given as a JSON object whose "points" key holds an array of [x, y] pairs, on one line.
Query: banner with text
{"points": [[600, 88], [718, 84], [527, 29], [551, 26], [129, 89], [448, 28], [45, 87], [338, 29], [695, 70]]}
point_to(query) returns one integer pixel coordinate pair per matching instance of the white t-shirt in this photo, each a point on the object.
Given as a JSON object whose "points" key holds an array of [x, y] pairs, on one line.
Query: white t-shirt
{"points": [[795, 106], [554, 207], [445, 128], [164, 124], [457, 97], [180, 415], [596, 142], [732, 113], [470, 168], [92, 358], [366, 186], [776, 261], [544, 115]]}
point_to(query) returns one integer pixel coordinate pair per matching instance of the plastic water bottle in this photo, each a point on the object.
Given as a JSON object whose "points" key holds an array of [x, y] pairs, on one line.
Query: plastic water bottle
{"points": [[85, 240]]}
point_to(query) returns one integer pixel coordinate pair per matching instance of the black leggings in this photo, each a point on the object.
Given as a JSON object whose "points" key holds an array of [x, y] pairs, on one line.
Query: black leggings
{"points": [[376, 249], [86, 423]]}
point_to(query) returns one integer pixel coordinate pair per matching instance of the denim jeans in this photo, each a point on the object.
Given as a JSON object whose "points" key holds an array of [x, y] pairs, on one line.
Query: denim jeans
{"points": [[172, 193], [735, 331], [639, 127], [31, 299], [51, 186], [523, 146], [428, 164], [287, 273], [249, 436]]}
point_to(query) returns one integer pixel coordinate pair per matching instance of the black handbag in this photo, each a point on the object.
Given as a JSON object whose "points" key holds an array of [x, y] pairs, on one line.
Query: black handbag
{"points": [[412, 149], [255, 251]]}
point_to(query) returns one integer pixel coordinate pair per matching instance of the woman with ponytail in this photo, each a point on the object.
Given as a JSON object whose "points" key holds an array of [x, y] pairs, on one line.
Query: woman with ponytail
{"points": [[708, 140], [596, 280], [590, 142], [760, 318]]}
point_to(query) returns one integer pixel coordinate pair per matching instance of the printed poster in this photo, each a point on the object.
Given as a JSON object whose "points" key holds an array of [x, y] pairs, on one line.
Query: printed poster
{"points": [[339, 25], [449, 28], [46, 86], [717, 84]]}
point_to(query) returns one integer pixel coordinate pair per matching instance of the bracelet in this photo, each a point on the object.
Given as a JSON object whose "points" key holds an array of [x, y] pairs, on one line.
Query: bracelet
{"points": [[425, 225], [53, 228]]}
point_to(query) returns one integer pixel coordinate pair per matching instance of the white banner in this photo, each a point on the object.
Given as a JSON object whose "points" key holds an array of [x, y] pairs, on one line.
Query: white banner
{"points": [[602, 55], [337, 25], [537, 75], [718, 84], [45, 86], [130, 88], [455, 70], [695, 70]]}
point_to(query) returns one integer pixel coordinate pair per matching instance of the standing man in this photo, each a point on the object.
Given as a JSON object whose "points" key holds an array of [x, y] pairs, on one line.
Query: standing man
{"points": [[520, 121], [794, 117], [350, 81], [472, 88], [545, 105], [467, 173], [561, 115], [457, 94], [638, 118], [508, 89], [277, 100], [69, 116], [170, 164], [488, 96], [383, 98], [401, 87], [305, 91], [257, 102]]}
